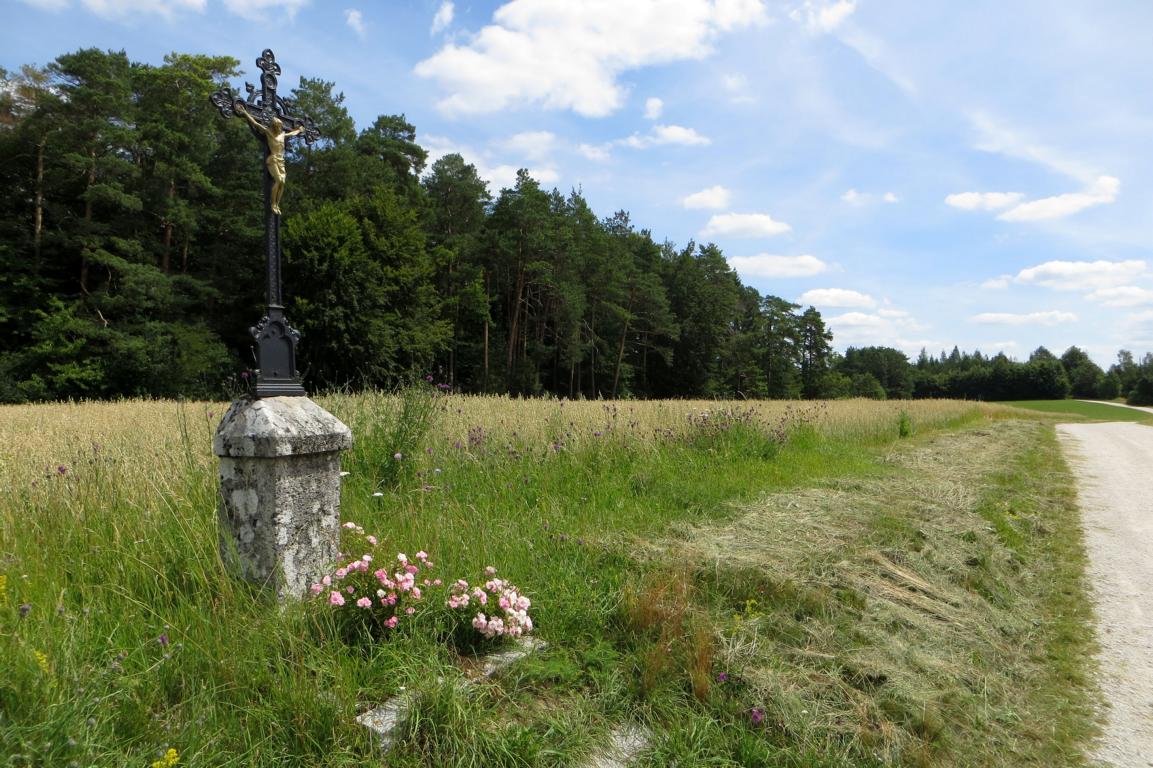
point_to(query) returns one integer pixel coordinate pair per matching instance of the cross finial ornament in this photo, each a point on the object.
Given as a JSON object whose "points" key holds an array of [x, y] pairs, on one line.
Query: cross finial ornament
{"points": [[272, 119]]}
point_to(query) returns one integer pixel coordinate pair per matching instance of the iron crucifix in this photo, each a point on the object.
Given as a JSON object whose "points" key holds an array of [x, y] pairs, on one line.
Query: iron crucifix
{"points": [[270, 117]]}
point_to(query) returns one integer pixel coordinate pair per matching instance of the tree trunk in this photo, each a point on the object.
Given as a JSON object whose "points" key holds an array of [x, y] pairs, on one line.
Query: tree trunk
{"points": [[621, 348], [486, 314], [87, 221], [593, 356], [38, 216], [165, 258], [514, 324]]}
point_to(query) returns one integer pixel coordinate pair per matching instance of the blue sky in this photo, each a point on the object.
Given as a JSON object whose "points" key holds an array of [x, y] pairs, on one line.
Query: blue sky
{"points": [[926, 173]]}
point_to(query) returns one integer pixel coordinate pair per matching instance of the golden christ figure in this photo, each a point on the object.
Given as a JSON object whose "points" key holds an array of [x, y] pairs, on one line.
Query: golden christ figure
{"points": [[275, 135]]}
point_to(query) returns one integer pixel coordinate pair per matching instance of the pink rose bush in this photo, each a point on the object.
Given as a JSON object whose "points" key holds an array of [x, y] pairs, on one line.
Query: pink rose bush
{"points": [[497, 608], [367, 591]]}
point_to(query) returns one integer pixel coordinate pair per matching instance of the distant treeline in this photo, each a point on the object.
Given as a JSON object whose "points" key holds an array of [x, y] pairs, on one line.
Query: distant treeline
{"points": [[131, 254], [886, 373]]}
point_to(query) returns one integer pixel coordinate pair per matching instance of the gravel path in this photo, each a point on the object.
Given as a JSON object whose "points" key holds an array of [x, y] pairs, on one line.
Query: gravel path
{"points": [[1113, 462]]}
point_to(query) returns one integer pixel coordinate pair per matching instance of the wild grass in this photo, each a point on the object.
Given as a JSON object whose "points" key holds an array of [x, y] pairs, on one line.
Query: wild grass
{"points": [[121, 637]]}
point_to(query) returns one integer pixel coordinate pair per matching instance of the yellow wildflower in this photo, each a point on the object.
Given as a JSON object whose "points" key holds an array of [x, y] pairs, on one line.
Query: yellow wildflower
{"points": [[3, 589], [42, 662], [171, 758]]}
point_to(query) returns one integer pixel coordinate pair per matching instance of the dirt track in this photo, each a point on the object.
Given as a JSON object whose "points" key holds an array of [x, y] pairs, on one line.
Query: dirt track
{"points": [[1113, 463]]}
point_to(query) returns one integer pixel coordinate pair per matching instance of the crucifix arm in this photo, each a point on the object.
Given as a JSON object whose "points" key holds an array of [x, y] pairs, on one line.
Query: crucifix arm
{"points": [[244, 113], [295, 131]]}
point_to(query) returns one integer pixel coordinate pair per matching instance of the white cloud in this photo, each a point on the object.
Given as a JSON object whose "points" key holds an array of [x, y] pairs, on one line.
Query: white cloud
{"points": [[262, 10], [116, 9], [744, 225], [1104, 190], [1101, 191], [823, 16], [737, 86], [442, 18], [983, 201], [48, 5], [859, 199], [858, 320], [661, 135], [569, 55], [1052, 317], [993, 136], [837, 297], [355, 21], [592, 152], [1122, 296], [1081, 275], [1002, 346], [1137, 328], [853, 197], [713, 197], [768, 265], [498, 174], [999, 283], [653, 108], [531, 145], [888, 326]]}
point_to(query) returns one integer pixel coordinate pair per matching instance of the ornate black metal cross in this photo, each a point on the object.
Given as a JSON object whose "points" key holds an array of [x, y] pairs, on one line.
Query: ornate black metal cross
{"points": [[271, 119]]}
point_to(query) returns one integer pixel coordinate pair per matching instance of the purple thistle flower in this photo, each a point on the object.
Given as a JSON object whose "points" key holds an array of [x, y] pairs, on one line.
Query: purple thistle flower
{"points": [[25, 609], [163, 640], [757, 715]]}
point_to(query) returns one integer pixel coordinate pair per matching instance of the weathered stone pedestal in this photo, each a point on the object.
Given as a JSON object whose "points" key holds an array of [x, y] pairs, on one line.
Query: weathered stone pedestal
{"points": [[280, 491]]}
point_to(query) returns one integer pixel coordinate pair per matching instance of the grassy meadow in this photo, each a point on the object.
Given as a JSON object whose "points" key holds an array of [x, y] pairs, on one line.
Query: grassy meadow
{"points": [[850, 583], [1099, 411]]}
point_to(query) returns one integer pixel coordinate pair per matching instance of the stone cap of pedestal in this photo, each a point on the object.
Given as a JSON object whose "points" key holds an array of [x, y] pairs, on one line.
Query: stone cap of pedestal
{"points": [[279, 426]]}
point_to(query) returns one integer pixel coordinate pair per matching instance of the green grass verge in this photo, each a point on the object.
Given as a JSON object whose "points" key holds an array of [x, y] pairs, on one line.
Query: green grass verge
{"points": [[120, 637], [1097, 411]]}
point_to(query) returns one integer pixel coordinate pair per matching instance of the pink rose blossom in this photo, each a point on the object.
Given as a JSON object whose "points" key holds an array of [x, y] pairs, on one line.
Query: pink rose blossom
{"points": [[317, 588], [490, 571], [372, 540], [326, 581], [364, 602], [392, 622], [422, 555], [335, 598], [410, 610]]}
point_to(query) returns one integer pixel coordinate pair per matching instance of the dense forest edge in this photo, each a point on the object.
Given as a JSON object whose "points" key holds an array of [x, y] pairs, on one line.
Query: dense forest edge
{"points": [[130, 244]]}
